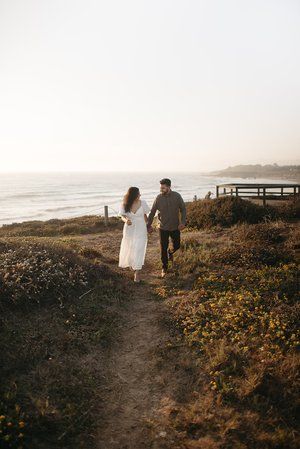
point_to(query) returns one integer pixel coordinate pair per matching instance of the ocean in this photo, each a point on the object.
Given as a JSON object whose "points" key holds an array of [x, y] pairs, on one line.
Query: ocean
{"points": [[42, 196]]}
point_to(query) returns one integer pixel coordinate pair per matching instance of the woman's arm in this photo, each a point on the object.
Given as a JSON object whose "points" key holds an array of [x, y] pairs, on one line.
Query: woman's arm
{"points": [[126, 219], [123, 215]]}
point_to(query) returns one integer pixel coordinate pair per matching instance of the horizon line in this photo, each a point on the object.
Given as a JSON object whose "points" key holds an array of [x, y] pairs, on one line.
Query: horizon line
{"points": [[103, 171]]}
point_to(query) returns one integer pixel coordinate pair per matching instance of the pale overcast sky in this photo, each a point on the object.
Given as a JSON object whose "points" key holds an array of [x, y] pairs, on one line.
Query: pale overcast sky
{"points": [[148, 85]]}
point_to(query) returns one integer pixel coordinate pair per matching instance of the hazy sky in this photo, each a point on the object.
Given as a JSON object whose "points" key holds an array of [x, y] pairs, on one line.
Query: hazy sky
{"points": [[148, 85]]}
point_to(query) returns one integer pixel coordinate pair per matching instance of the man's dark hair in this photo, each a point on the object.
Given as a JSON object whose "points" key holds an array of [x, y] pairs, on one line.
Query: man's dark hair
{"points": [[166, 182]]}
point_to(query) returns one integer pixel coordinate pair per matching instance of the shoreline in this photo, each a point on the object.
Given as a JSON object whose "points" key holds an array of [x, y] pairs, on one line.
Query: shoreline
{"points": [[33, 198]]}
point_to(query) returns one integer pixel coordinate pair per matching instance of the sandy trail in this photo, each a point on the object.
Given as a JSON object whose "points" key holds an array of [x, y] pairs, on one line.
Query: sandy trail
{"points": [[142, 372]]}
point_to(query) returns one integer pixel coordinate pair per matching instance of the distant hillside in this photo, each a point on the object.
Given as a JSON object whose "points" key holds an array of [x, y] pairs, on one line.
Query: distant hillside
{"points": [[291, 172]]}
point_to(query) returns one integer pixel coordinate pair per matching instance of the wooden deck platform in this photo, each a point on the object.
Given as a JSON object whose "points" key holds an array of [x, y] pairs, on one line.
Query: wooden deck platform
{"points": [[263, 192]]}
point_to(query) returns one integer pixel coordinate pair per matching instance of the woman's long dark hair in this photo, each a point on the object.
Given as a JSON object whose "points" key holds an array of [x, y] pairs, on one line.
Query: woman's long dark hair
{"points": [[130, 197]]}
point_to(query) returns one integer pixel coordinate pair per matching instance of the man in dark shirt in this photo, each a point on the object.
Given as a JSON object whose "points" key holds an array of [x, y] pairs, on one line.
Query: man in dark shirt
{"points": [[168, 204]]}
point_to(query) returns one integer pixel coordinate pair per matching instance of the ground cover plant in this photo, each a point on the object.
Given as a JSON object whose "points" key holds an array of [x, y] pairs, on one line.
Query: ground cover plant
{"points": [[58, 315], [236, 301]]}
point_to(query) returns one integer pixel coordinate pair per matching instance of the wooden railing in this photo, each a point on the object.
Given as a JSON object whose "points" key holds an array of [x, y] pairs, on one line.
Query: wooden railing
{"points": [[259, 191]]}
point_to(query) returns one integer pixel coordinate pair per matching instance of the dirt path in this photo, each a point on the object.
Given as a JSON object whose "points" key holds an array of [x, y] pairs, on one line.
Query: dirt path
{"points": [[145, 368]]}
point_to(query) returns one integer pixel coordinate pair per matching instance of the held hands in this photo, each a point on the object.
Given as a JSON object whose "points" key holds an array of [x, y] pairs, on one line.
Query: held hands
{"points": [[128, 221], [149, 229]]}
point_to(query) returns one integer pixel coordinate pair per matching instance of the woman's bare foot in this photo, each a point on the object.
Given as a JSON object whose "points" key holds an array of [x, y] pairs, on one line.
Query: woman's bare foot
{"points": [[137, 276], [163, 273]]}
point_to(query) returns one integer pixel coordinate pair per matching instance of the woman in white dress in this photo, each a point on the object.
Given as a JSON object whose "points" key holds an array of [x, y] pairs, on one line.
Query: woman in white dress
{"points": [[134, 212]]}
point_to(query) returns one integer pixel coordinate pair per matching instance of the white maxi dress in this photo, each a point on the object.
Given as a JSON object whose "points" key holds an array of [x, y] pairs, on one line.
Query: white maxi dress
{"points": [[135, 238]]}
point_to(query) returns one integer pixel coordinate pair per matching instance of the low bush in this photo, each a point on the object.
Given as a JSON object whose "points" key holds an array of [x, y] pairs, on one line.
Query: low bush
{"points": [[89, 224], [226, 211], [290, 210], [269, 233], [31, 272]]}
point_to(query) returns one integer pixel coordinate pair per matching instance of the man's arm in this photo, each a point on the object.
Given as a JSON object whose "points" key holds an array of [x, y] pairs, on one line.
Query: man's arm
{"points": [[182, 208], [152, 213]]}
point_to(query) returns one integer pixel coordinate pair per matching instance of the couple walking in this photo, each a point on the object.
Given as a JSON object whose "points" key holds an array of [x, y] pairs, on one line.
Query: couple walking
{"points": [[134, 212]]}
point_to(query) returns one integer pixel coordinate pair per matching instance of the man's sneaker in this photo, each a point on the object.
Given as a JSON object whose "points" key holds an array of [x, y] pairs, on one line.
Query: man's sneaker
{"points": [[163, 272]]}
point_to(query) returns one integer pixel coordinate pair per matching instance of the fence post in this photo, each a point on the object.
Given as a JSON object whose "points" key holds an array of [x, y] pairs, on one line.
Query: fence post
{"points": [[264, 196], [295, 193], [217, 191], [106, 215]]}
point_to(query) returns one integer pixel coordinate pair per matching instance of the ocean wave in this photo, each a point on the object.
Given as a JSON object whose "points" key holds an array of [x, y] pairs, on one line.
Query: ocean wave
{"points": [[62, 208], [18, 218], [32, 195]]}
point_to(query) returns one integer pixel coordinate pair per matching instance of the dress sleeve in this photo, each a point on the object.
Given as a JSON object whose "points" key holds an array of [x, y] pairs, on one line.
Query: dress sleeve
{"points": [[145, 207], [121, 210]]}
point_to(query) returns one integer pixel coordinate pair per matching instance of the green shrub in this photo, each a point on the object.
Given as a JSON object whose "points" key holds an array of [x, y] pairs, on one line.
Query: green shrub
{"points": [[89, 224], [290, 210], [34, 273], [226, 211], [252, 255], [262, 233], [257, 244]]}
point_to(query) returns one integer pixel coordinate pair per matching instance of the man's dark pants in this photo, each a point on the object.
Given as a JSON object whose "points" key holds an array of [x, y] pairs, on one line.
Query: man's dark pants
{"points": [[164, 244]]}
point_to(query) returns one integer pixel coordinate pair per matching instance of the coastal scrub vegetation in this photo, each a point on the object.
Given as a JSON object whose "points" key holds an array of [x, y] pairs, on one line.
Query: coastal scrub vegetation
{"points": [[236, 302], [88, 224], [227, 211], [58, 314], [233, 296]]}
